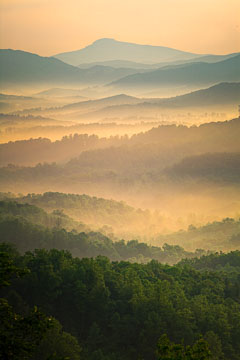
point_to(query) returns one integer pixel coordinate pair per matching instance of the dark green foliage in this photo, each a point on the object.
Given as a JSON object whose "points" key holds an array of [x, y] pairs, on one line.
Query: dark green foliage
{"points": [[20, 335], [227, 262], [58, 345], [170, 351], [120, 310], [7, 268], [32, 335], [36, 215]]}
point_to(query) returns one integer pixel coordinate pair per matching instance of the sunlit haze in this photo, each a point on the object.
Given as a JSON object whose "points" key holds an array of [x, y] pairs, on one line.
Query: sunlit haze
{"points": [[47, 27], [120, 179]]}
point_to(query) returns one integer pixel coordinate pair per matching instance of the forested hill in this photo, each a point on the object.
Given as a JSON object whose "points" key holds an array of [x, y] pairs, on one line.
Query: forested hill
{"points": [[29, 227], [178, 141], [32, 151], [216, 262], [116, 311], [217, 235], [219, 167], [111, 215], [39, 228]]}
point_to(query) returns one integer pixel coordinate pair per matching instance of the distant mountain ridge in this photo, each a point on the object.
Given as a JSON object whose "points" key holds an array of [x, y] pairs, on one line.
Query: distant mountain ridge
{"points": [[26, 69], [108, 101], [60, 92], [119, 64], [187, 74], [110, 49], [138, 65], [21, 66], [18, 66], [222, 94]]}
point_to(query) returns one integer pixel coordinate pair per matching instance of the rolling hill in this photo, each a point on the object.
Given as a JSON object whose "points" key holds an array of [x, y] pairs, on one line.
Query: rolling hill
{"points": [[20, 66], [17, 102], [100, 103], [87, 106], [138, 65], [217, 167], [119, 64], [193, 74], [221, 95], [133, 169], [214, 58], [60, 93], [125, 106]]}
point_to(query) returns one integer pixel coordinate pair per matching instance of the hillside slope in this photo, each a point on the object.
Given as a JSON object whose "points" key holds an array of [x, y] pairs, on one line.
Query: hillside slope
{"points": [[189, 74]]}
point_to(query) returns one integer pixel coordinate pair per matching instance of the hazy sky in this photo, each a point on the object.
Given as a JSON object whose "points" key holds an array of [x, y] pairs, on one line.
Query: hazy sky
{"points": [[48, 27]]}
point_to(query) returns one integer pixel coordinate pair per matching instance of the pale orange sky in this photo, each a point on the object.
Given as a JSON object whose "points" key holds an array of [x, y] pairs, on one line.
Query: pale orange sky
{"points": [[47, 27]]}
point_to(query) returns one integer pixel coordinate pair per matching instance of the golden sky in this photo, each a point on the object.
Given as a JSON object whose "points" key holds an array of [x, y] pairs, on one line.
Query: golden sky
{"points": [[47, 27]]}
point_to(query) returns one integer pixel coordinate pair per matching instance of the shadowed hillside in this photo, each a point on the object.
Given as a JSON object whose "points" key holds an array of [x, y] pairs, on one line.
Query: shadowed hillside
{"points": [[20, 67]]}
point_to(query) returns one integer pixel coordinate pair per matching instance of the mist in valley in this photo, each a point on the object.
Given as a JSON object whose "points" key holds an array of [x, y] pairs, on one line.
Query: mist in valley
{"points": [[174, 159], [172, 151], [119, 180]]}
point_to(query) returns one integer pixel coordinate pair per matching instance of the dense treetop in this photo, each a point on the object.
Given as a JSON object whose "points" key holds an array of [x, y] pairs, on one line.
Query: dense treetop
{"points": [[119, 310]]}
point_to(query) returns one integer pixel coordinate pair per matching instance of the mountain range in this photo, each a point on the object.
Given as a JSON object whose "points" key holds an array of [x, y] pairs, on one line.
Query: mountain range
{"points": [[118, 65]]}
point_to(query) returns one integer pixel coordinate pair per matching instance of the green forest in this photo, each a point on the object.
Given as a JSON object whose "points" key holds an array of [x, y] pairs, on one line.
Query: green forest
{"points": [[78, 294], [55, 306]]}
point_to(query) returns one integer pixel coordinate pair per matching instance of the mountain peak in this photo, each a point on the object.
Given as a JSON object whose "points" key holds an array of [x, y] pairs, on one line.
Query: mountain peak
{"points": [[104, 40], [108, 49]]}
